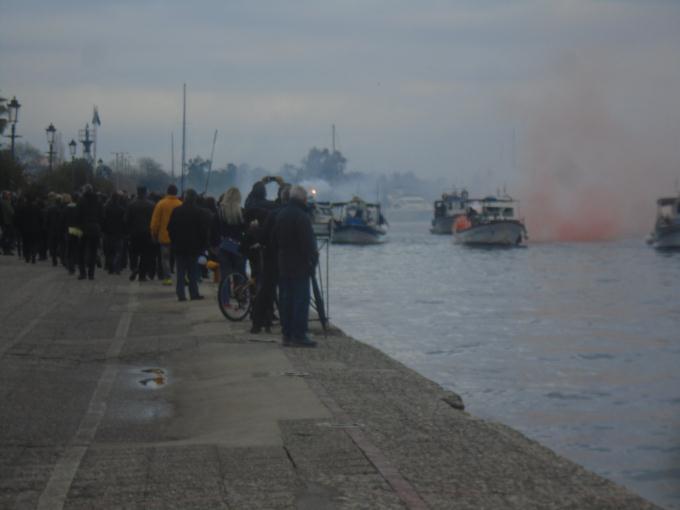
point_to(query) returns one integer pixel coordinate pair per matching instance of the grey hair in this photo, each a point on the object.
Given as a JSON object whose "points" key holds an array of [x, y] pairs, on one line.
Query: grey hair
{"points": [[298, 193]]}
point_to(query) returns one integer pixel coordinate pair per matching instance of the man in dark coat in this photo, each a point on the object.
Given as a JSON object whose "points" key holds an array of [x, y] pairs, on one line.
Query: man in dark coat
{"points": [[189, 237], [53, 226], [138, 221], [293, 236], [90, 217], [29, 222], [263, 305], [114, 232]]}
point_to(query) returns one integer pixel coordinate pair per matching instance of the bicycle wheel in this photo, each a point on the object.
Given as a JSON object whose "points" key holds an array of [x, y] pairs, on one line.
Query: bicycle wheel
{"points": [[234, 296]]}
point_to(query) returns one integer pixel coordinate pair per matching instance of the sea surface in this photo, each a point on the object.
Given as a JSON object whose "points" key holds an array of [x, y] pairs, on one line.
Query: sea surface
{"points": [[577, 345]]}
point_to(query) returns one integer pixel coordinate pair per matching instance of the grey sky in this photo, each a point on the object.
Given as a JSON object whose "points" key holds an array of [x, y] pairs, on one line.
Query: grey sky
{"points": [[434, 86]]}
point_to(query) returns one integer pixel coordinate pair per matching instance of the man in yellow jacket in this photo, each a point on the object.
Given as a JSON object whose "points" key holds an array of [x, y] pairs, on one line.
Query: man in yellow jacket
{"points": [[159, 228]]}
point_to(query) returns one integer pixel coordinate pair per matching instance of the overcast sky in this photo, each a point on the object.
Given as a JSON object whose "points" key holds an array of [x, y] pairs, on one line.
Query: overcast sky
{"points": [[436, 87]]}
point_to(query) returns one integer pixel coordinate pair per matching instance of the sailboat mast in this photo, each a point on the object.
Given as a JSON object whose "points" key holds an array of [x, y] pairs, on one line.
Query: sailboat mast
{"points": [[333, 138]]}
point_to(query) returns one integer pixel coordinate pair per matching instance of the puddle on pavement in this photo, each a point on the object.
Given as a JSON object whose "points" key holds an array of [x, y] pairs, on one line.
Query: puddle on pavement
{"points": [[157, 378]]}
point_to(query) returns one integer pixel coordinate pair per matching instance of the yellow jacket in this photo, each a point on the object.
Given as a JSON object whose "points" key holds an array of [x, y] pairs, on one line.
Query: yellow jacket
{"points": [[161, 217]]}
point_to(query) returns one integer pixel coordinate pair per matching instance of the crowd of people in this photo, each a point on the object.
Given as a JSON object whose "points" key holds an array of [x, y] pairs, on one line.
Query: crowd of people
{"points": [[156, 237]]}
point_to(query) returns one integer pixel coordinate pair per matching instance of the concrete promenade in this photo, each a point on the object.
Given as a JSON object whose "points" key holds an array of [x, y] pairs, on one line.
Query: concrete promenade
{"points": [[115, 395]]}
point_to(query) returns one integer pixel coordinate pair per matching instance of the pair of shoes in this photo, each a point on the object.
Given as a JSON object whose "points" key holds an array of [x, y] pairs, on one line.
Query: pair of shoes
{"points": [[181, 299], [255, 330], [197, 298], [303, 342], [167, 281], [133, 275]]}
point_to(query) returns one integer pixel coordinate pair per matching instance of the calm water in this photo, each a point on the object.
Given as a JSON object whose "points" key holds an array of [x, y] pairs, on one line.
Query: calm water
{"points": [[576, 344]]}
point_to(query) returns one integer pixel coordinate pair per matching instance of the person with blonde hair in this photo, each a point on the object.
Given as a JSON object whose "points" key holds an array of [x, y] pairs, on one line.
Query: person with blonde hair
{"points": [[227, 235]]}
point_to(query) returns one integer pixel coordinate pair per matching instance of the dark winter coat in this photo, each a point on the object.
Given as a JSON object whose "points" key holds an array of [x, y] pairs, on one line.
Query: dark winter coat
{"points": [[294, 241], [69, 217], [29, 218], [53, 220], [188, 230], [90, 215], [114, 219], [138, 216]]}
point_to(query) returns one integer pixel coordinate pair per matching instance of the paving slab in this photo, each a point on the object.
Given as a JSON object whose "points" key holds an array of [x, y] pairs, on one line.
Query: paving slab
{"points": [[116, 395]]}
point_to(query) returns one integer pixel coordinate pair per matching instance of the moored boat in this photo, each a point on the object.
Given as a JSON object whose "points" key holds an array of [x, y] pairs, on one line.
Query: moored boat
{"points": [[666, 234], [446, 210], [358, 222], [490, 221]]}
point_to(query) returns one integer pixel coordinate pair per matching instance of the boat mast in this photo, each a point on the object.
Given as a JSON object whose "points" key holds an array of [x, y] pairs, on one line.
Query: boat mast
{"points": [[184, 135]]}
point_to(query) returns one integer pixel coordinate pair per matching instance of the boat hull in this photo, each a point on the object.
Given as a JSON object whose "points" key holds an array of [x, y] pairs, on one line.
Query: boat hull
{"points": [[442, 225], [501, 233], [666, 238], [357, 235]]}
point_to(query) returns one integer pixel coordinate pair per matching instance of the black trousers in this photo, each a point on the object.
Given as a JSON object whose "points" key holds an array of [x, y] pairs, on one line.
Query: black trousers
{"points": [[87, 254], [141, 254]]}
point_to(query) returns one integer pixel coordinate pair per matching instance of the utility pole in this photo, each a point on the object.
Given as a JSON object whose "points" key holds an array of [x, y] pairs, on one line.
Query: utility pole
{"points": [[172, 155], [333, 138]]}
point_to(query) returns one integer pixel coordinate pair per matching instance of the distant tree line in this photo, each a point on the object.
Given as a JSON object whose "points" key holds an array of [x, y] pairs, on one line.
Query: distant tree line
{"points": [[30, 168]]}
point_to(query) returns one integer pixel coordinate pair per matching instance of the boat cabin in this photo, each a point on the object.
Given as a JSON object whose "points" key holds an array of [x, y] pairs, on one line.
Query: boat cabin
{"points": [[495, 208], [668, 210], [451, 204], [358, 212]]}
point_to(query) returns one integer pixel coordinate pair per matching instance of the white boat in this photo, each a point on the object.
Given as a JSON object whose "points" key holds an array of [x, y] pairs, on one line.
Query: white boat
{"points": [[490, 221], [666, 234], [451, 206], [358, 222]]}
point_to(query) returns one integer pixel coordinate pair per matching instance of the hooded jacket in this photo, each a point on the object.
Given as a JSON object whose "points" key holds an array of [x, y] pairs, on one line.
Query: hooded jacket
{"points": [[161, 217]]}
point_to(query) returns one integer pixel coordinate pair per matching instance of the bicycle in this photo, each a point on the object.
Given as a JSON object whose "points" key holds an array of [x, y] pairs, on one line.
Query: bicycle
{"points": [[235, 296]]}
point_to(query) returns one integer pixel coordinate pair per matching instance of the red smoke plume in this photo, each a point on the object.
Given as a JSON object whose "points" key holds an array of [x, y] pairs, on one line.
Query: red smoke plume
{"points": [[592, 167]]}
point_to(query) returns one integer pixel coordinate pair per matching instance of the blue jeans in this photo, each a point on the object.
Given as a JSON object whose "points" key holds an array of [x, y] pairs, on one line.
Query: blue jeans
{"points": [[229, 263], [187, 265], [294, 299]]}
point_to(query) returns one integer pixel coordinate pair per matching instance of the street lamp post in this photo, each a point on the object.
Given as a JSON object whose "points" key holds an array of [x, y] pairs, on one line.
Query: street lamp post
{"points": [[51, 133], [72, 149], [72, 146], [13, 109]]}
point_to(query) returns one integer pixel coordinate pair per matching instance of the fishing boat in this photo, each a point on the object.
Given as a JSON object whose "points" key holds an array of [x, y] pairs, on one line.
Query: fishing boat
{"points": [[490, 221], [666, 234], [446, 210], [358, 222]]}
